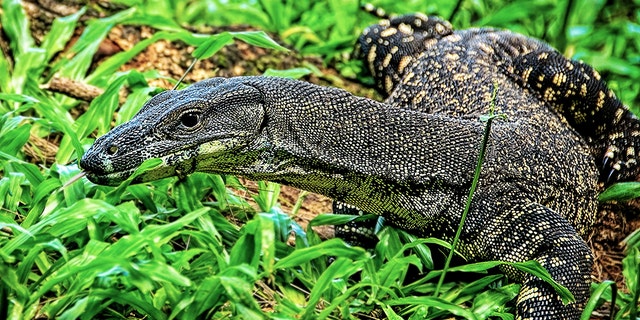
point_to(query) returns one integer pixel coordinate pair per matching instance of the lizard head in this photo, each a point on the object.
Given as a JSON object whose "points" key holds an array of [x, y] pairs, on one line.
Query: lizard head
{"points": [[208, 120]]}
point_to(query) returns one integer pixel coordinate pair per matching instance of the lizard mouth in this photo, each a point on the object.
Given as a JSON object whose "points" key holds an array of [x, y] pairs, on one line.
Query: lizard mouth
{"points": [[110, 179], [102, 170], [159, 172]]}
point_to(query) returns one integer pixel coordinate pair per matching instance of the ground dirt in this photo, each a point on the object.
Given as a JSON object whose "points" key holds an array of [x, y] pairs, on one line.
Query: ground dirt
{"points": [[172, 59]]}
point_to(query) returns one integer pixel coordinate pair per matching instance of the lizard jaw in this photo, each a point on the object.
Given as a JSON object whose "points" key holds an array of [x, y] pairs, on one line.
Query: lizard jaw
{"points": [[109, 179]]}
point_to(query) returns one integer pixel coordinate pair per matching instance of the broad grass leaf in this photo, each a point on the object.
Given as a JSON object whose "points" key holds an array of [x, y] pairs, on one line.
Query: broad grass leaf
{"points": [[80, 272], [144, 194], [338, 219], [13, 189], [100, 112], [16, 26], [433, 302], [633, 240], [181, 260], [621, 191], [101, 76], [280, 13], [483, 266], [394, 271], [615, 65], [420, 248], [389, 245], [306, 33], [282, 223], [390, 313], [239, 290], [341, 267], [259, 39], [247, 14], [90, 310], [596, 294], [162, 272], [39, 246], [631, 271], [233, 284], [267, 197], [513, 11], [268, 241], [73, 192], [11, 280], [15, 97], [208, 233], [12, 142], [44, 192], [60, 223], [345, 16], [248, 248], [156, 235], [4, 190], [533, 267], [5, 84], [115, 195], [60, 33], [59, 119], [219, 191], [212, 45], [333, 247], [487, 302], [88, 43], [30, 170], [228, 231], [187, 197], [28, 66], [127, 217], [476, 286], [102, 261], [295, 73], [133, 104]]}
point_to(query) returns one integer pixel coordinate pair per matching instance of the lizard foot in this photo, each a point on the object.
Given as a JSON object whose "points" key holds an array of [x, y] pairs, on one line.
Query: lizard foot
{"points": [[619, 161]]}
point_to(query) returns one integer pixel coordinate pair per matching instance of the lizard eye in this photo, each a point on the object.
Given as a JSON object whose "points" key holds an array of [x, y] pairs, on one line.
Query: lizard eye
{"points": [[190, 119], [112, 150]]}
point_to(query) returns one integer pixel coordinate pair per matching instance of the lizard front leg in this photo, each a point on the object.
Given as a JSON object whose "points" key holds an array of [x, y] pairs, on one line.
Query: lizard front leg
{"points": [[360, 233]]}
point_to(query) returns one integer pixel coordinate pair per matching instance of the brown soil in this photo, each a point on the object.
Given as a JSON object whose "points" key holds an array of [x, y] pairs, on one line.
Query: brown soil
{"points": [[172, 59]]}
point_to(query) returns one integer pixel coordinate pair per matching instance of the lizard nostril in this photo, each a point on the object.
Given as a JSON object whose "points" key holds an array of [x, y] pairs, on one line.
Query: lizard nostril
{"points": [[112, 150]]}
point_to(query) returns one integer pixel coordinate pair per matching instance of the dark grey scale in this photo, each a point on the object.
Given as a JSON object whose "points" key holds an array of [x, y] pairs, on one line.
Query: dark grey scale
{"points": [[387, 49]]}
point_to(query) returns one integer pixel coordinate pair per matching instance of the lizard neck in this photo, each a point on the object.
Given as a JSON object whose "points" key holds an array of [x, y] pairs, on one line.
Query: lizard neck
{"points": [[328, 141]]}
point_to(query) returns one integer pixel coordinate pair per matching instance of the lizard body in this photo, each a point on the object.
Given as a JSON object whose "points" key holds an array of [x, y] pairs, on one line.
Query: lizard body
{"points": [[411, 158]]}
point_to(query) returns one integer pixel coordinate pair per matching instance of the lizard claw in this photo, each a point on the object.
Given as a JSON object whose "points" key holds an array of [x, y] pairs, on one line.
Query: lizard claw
{"points": [[605, 160], [612, 177]]}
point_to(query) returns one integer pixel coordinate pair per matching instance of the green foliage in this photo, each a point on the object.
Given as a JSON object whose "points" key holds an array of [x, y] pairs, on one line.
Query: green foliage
{"points": [[167, 249], [621, 191]]}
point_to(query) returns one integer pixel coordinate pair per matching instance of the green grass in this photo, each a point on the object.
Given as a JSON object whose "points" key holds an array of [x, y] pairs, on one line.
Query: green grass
{"points": [[169, 249]]}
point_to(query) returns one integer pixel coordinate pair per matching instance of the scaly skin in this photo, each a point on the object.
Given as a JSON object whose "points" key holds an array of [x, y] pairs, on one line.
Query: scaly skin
{"points": [[410, 55], [411, 158], [412, 168]]}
